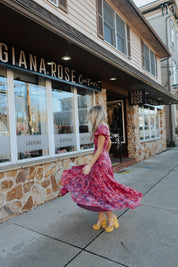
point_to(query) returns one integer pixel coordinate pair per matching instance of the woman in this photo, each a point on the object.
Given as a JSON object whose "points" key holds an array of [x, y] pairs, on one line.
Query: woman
{"points": [[93, 186]]}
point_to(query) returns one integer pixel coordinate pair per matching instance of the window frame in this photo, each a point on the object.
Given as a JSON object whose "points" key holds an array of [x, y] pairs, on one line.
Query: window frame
{"points": [[50, 125], [156, 109], [100, 28], [59, 4], [143, 54]]}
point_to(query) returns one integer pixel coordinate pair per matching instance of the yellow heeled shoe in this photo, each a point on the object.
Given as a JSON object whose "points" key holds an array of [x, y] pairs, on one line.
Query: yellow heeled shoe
{"points": [[115, 224], [102, 223]]}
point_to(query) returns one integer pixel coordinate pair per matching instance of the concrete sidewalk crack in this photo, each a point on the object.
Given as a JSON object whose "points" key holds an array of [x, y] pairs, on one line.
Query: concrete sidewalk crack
{"points": [[157, 182], [43, 234], [154, 207]]}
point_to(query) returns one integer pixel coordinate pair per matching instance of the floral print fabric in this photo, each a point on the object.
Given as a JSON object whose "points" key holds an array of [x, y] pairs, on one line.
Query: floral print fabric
{"points": [[99, 191]]}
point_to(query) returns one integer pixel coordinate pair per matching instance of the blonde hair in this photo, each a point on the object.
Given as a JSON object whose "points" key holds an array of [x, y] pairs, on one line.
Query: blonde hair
{"points": [[96, 116]]}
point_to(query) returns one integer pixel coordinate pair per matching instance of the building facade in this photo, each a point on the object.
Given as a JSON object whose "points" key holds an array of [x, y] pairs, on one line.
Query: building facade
{"points": [[57, 60], [163, 15]]}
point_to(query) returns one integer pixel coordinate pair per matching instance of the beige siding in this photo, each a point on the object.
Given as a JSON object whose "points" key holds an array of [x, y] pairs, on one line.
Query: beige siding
{"points": [[82, 16]]}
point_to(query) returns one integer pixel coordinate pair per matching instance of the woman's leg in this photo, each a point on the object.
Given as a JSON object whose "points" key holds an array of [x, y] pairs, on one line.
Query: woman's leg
{"points": [[110, 216], [101, 216]]}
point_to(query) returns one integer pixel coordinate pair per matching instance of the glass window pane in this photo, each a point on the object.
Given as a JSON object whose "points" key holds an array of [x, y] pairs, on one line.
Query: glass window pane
{"points": [[147, 123], [121, 35], [152, 123], [31, 116], [153, 64], [108, 15], [146, 58], [121, 44], [4, 119], [84, 104], [141, 123], [64, 118], [158, 123], [108, 34]]}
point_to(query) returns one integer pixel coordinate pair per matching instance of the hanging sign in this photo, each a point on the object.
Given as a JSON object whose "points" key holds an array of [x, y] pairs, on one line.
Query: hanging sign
{"points": [[137, 97], [15, 57]]}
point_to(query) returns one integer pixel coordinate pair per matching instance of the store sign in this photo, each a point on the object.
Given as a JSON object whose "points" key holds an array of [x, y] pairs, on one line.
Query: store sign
{"points": [[137, 97], [19, 58]]}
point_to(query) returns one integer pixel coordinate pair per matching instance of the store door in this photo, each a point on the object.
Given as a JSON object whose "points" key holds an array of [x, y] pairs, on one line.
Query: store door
{"points": [[116, 121]]}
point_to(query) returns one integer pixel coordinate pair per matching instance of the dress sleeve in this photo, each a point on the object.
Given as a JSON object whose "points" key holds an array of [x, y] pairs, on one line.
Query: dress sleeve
{"points": [[102, 130]]}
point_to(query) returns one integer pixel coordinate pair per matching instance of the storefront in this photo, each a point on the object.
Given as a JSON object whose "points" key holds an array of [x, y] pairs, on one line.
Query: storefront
{"points": [[43, 107], [44, 101]]}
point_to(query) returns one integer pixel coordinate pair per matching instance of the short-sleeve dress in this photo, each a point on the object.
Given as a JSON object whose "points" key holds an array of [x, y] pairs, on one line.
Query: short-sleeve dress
{"points": [[98, 190]]}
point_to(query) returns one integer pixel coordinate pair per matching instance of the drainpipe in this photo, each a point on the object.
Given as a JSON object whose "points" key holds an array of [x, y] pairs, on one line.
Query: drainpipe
{"points": [[168, 75]]}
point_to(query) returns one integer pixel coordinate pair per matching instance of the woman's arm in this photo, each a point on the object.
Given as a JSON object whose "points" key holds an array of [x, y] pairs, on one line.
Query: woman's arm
{"points": [[109, 145], [100, 145]]}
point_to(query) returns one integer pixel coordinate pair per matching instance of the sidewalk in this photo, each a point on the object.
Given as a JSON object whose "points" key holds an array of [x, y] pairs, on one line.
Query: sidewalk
{"points": [[59, 233]]}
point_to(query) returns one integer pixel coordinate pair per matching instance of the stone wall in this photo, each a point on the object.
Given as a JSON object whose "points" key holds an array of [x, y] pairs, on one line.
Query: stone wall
{"points": [[26, 188], [143, 150]]}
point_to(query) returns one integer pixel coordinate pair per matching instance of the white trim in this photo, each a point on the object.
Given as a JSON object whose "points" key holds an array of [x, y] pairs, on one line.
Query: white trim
{"points": [[76, 119], [55, 4], [12, 118], [149, 140], [50, 118]]}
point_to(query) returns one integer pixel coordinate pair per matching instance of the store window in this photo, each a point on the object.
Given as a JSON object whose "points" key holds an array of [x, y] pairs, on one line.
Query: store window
{"points": [[149, 123], [41, 112], [31, 116], [64, 118], [5, 154], [84, 104]]}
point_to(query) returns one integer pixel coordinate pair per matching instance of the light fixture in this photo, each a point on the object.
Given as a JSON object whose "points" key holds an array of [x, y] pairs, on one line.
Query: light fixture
{"points": [[113, 78], [159, 98], [66, 58], [99, 81], [146, 93]]}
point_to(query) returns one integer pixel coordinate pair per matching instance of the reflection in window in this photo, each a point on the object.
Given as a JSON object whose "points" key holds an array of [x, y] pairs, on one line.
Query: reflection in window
{"points": [[84, 104], [64, 118], [149, 123], [31, 117], [4, 119]]}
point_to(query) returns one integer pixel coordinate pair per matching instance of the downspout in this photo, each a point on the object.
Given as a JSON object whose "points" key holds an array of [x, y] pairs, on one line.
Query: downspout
{"points": [[168, 75]]}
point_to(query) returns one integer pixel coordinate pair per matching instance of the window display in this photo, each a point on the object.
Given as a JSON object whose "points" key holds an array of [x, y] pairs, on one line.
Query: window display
{"points": [[149, 123], [64, 118], [31, 116]]}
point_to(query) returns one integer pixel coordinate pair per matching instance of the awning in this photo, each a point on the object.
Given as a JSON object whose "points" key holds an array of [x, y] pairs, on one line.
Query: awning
{"points": [[29, 26]]}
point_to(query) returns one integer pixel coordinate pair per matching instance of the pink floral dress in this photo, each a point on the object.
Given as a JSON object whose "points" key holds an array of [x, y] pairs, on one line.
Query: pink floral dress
{"points": [[98, 190]]}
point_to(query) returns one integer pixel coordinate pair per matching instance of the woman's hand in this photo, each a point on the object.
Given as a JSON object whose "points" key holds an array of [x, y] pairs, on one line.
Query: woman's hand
{"points": [[86, 169]]}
